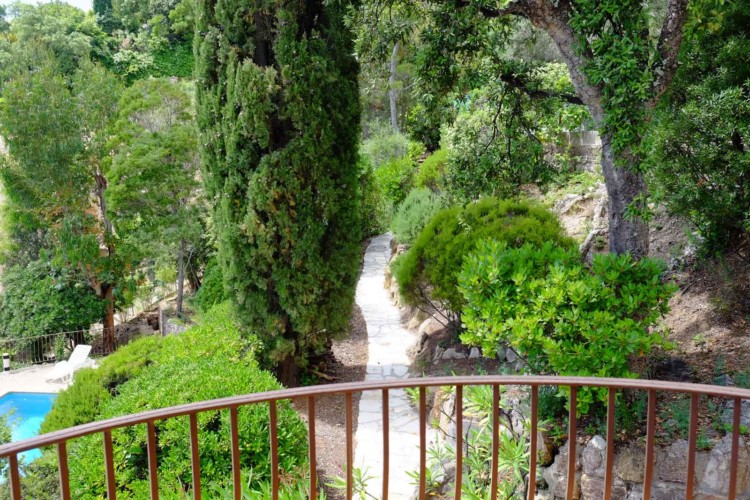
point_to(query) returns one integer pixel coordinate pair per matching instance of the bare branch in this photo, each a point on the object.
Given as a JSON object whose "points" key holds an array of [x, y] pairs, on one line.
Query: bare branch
{"points": [[668, 48]]}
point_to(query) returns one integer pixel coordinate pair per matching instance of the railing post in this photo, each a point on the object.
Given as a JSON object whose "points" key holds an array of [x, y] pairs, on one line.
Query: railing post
{"points": [[572, 433]]}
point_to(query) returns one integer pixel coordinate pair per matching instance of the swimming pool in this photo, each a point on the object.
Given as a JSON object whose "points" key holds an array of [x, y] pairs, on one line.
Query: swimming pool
{"points": [[26, 411]]}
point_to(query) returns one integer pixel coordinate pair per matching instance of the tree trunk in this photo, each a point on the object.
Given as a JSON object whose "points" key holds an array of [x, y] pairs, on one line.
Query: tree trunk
{"points": [[392, 86], [624, 186], [108, 335], [180, 275], [288, 372]]}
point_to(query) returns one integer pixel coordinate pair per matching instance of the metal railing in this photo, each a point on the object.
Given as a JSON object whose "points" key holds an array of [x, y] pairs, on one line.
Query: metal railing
{"points": [[39, 349], [61, 438]]}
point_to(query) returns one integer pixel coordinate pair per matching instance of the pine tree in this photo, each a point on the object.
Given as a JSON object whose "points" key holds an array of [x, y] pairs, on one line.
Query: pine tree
{"points": [[278, 112]]}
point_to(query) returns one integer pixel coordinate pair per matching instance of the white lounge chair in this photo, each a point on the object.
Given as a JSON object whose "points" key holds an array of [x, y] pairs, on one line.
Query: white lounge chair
{"points": [[64, 369]]}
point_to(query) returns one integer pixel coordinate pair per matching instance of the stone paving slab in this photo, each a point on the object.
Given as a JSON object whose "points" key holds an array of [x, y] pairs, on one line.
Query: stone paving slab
{"points": [[29, 380], [388, 342]]}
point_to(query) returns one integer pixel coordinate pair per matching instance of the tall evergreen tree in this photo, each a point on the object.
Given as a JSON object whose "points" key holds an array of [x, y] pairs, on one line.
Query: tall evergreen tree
{"points": [[278, 112]]}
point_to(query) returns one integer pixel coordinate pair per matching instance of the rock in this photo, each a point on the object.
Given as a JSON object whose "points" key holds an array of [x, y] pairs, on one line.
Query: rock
{"points": [[438, 354], [659, 491], [430, 326], [671, 464], [724, 380], [556, 475], [474, 353], [715, 480], [567, 203], [511, 355], [728, 415], [593, 457], [452, 353], [544, 495], [501, 354], [414, 318], [593, 487], [545, 448], [629, 463]]}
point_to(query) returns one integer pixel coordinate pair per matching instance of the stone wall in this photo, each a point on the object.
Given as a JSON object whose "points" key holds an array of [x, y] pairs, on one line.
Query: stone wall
{"points": [[670, 471]]}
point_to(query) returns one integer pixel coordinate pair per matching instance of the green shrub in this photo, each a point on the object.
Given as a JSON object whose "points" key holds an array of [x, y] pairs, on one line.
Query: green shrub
{"points": [[384, 146], [212, 290], [435, 260], [419, 207], [375, 208], [211, 360], [698, 156], [431, 172], [185, 381], [563, 317], [395, 179], [40, 299], [81, 402]]}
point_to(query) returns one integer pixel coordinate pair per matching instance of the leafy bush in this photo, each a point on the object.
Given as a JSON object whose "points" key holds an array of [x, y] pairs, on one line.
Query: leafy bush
{"points": [[431, 172], [563, 317], [375, 208], [493, 149], [395, 180], [432, 265], [414, 213], [40, 299], [184, 381], [384, 146], [212, 290], [699, 156], [208, 361], [81, 402]]}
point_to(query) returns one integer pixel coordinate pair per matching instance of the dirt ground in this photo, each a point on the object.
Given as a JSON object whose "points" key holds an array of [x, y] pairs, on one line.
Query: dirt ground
{"points": [[347, 364]]}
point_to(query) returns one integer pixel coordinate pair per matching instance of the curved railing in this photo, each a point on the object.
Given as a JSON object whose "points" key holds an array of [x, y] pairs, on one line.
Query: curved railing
{"points": [[651, 387]]}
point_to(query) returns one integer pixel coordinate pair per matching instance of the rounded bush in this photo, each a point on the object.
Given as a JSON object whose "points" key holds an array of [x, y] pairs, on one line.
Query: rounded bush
{"points": [[414, 213], [431, 266]]}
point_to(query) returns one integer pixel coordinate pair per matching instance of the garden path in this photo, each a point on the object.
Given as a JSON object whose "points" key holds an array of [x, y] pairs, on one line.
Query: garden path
{"points": [[388, 342]]}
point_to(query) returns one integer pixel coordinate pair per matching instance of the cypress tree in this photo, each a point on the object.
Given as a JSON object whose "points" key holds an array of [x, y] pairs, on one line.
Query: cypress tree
{"points": [[278, 113]]}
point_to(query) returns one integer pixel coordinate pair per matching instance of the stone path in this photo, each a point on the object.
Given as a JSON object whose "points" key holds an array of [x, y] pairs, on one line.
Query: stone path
{"points": [[388, 341]]}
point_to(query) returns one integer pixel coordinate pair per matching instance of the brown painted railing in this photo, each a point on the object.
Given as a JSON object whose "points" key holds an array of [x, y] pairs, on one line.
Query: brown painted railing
{"points": [[61, 438]]}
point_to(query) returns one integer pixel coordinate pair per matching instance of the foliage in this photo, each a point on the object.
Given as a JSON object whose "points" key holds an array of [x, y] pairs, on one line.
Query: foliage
{"points": [[413, 214], [492, 150], [206, 362], [512, 458], [281, 128], [292, 488], [81, 402], [395, 179], [211, 291], [431, 171], [56, 126], [40, 299], [66, 32], [699, 155], [564, 318], [384, 146], [431, 267], [375, 208], [189, 380], [154, 192]]}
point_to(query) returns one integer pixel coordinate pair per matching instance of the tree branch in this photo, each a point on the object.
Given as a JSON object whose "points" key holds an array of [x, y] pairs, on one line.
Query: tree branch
{"points": [[516, 82], [668, 48]]}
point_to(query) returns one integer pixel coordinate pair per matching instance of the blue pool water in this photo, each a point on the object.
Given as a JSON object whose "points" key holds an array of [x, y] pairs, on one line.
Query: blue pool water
{"points": [[26, 411]]}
